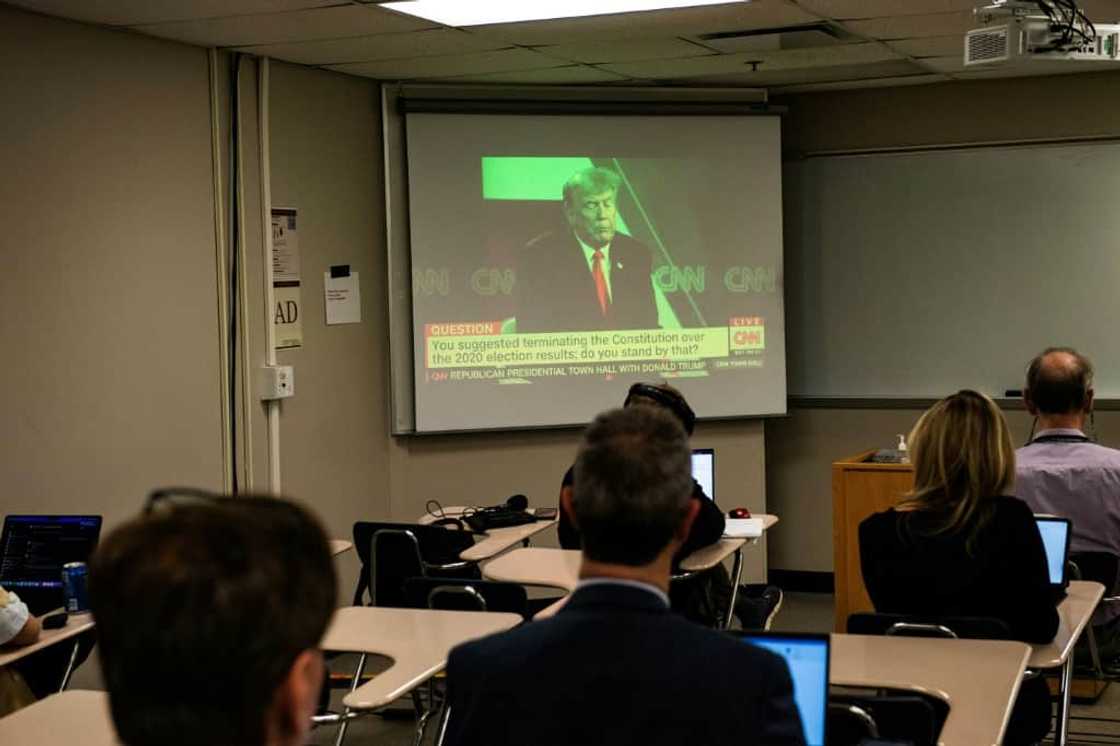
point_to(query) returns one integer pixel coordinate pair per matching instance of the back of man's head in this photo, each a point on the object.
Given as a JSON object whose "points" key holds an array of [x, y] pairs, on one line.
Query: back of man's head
{"points": [[202, 612], [632, 485], [1059, 380]]}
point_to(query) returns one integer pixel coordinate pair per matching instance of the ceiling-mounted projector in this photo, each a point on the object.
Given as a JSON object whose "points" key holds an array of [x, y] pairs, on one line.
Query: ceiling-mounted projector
{"points": [[1022, 31]]}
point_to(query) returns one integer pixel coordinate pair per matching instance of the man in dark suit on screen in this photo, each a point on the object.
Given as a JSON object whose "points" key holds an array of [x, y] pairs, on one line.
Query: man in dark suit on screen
{"points": [[615, 665], [589, 276]]}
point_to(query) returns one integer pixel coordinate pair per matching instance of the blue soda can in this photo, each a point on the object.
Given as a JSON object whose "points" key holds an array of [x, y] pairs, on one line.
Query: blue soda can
{"points": [[75, 587]]}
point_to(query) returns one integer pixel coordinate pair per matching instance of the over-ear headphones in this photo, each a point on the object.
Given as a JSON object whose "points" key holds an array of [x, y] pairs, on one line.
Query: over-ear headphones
{"points": [[672, 401]]}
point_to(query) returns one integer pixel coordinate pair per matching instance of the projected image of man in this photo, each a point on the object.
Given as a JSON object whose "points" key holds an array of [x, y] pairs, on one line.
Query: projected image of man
{"points": [[588, 276]]}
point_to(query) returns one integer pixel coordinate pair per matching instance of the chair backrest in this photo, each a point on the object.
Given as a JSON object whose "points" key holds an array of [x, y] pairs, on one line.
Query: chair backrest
{"points": [[906, 717], [849, 725], [973, 628], [413, 550], [1101, 567], [466, 595]]}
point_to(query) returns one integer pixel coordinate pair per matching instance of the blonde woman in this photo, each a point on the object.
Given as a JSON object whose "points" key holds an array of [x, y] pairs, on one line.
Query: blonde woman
{"points": [[959, 545]]}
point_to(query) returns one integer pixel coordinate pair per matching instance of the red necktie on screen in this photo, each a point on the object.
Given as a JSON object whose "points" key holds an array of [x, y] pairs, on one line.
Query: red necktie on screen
{"points": [[600, 280]]}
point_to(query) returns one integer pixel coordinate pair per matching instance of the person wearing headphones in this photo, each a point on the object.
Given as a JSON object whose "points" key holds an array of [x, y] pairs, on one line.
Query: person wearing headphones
{"points": [[703, 598], [1060, 471]]}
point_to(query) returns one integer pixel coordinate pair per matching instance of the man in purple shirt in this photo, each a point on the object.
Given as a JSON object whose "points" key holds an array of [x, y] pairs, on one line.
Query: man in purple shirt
{"points": [[1062, 472]]}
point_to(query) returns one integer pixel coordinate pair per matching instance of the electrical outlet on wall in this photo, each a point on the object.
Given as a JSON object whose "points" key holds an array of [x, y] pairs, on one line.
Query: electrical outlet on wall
{"points": [[275, 382]]}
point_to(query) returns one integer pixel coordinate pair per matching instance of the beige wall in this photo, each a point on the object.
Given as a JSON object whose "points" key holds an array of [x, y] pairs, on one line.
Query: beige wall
{"points": [[108, 301], [801, 448]]}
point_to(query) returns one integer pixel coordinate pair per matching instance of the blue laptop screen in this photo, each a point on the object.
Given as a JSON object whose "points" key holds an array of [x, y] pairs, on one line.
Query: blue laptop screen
{"points": [[807, 659], [704, 470], [1055, 536]]}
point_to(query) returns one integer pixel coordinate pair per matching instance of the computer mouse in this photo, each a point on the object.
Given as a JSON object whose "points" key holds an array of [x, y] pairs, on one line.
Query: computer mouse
{"points": [[738, 513]]}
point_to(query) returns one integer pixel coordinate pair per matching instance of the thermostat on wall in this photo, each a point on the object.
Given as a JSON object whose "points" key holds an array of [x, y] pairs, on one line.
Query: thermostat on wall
{"points": [[276, 382]]}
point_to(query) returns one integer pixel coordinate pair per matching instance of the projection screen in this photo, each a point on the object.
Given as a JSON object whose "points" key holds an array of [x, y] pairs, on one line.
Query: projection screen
{"points": [[556, 259]]}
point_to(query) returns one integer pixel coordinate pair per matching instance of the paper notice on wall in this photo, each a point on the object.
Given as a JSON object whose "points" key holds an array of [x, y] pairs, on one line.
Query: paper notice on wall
{"points": [[343, 297], [286, 278]]}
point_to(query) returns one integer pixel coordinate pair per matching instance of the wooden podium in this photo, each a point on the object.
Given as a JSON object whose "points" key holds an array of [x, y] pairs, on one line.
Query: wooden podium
{"points": [[859, 488]]}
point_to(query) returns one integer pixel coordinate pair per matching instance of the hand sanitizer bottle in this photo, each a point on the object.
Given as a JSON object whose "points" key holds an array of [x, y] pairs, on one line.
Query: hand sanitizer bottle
{"points": [[903, 454]]}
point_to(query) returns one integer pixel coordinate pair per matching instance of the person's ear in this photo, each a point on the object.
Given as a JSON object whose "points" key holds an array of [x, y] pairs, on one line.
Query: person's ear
{"points": [[1029, 403], [298, 697], [1089, 400], [689, 518], [568, 505]]}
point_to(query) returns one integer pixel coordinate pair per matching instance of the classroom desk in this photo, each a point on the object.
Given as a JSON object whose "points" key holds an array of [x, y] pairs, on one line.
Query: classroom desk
{"points": [[497, 540], [1074, 613], [339, 546], [75, 625], [559, 568], [64, 719], [417, 640], [979, 679]]}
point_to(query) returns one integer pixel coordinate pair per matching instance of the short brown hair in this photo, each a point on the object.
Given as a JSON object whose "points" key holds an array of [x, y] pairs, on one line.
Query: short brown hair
{"points": [[201, 611], [632, 484]]}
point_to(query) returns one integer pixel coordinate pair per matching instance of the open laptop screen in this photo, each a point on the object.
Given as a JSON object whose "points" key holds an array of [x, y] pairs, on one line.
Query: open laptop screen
{"points": [[807, 658], [1055, 539], [704, 470], [33, 549]]}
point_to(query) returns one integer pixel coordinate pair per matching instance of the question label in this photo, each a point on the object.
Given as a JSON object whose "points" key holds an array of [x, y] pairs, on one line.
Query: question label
{"points": [[457, 350]]}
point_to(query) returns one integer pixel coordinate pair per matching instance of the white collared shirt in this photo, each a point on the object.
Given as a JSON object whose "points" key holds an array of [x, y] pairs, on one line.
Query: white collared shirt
{"points": [[591, 582], [13, 615], [589, 254]]}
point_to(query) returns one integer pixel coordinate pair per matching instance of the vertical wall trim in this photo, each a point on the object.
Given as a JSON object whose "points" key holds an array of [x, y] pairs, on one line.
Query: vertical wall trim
{"points": [[272, 407], [249, 478], [220, 260]]}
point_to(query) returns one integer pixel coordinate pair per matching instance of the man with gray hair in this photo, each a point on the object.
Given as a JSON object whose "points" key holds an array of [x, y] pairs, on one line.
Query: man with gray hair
{"points": [[587, 276], [615, 665], [1062, 472]]}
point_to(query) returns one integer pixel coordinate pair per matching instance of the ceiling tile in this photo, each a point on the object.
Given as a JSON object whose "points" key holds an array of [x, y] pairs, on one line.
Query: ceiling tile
{"points": [[916, 26], [274, 28], [376, 47], [843, 9], [735, 16], [931, 46], [624, 51], [567, 75], [505, 60], [785, 59], [893, 68], [132, 12]]}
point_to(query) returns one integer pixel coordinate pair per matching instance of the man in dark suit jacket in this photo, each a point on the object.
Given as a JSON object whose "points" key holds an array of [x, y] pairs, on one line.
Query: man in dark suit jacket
{"points": [[615, 665], [587, 276]]}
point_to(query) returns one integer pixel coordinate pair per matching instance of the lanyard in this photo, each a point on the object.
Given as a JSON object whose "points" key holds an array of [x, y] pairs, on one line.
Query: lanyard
{"points": [[1060, 438]]}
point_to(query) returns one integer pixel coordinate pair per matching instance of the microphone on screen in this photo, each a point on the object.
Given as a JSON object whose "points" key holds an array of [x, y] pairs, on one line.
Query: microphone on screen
{"points": [[516, 502]]}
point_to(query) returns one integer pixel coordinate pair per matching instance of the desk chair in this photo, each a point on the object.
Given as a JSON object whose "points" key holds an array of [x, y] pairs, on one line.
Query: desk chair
{"points": [[901, 718], [1103, 568], [457, 594], [390, 554], [911, 625]]}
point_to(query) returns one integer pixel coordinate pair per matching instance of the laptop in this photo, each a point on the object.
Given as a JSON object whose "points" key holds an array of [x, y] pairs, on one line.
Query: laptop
{"points": [[704, 470], [807, 657], [33, 549], [1055, 534]]}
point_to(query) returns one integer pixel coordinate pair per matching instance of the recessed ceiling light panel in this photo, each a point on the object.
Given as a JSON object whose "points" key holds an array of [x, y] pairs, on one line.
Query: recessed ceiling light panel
{"points": [[482, 12]]}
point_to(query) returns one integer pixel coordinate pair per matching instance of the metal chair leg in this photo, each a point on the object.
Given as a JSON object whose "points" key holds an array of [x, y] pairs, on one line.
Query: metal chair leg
{"points": [[353, 685], [444, 717], [70, 665], [736, 576]]}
